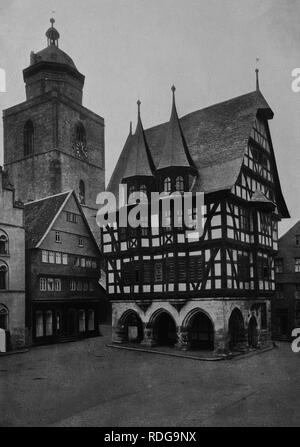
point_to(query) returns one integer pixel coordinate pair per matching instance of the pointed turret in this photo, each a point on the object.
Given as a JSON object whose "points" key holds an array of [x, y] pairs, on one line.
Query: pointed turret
{"points": [[139, 161], [175, 152]]}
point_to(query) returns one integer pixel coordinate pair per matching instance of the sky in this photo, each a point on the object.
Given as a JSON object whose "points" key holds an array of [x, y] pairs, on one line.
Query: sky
{"points": [[130, 49]]}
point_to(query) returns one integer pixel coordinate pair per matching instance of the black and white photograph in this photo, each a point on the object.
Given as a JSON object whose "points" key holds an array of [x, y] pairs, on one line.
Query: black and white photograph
{"points": [[149, 216]]}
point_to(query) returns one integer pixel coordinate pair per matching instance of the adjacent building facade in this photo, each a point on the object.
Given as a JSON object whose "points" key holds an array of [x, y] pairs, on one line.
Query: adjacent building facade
{"points": [[286, 303], [212, 291], [52, 143], [63, 295], [12, 266]]}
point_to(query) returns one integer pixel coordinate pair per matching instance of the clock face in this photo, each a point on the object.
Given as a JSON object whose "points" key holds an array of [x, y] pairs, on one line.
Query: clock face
{"points": [[80, 150]]}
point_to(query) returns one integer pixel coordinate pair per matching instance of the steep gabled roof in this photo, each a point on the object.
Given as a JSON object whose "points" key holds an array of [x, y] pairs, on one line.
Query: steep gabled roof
{"points": [[175, 151], [139, 161], [40, 216], [216, 139]]}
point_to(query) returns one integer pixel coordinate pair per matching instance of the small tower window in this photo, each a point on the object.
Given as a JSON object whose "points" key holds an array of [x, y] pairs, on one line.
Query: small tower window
{"points": [[80, 134], [167, 184], [179, 184], [3, 317], [28, 138], [82, 192], [3, 276], [3, 243]]}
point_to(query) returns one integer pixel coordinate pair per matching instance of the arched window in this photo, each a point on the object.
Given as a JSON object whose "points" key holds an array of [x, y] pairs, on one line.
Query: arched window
{"points": [[179, 184], [82, 192], [3, 276], [3, 243], [28, 138], [80, 134], [167, 184], [3, 317]]}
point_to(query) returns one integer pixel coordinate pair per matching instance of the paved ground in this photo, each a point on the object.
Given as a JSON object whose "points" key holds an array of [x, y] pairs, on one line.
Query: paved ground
{"points": [[87, 384]]}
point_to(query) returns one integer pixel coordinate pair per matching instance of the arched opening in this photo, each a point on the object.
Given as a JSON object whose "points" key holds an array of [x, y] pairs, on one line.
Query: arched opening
{"points": [[236, 329], [164, 329], [3, 243], [133, 327], [80, 134], [167, 184], [3, 317], [28, 138], [82, 192], [200, 332], [179, 184], [72, 322], [3, 276], [252, 332]]}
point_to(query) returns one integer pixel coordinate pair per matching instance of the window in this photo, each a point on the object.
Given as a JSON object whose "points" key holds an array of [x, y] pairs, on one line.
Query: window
{"points": [[57, 237], [80, 134], [80, 242], [298, 240], [58, 321], [71, 217], [58, 258], [28, 138], [158, 272], [297, 291], [79, 286], [39, 324], [3, 276], [3, 317], [51, 257], [297, 265], [279, 265], [77, 261], [82, 262], [82, 192], [88, 263], [81, 321], [3, 243], [50, 285], [131, 190], [179, 184], [91, 320], [245, 220], [279, 291], [85, 286], [263, 268], [43, 284], [243, 268], [72, 285], [167, 184], [91, 286], [44, 256], [49, 328], [65, 259], [58, 285], [94, 264], [196, 268]]}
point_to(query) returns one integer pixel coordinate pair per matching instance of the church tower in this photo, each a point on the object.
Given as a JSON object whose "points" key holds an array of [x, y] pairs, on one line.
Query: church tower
{"points": [[52, 143]]}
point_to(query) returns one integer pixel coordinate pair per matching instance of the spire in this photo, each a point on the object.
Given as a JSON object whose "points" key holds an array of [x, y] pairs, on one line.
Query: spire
{"points": [[139, 162], [175, 152], [52, 34], [257, 75]]}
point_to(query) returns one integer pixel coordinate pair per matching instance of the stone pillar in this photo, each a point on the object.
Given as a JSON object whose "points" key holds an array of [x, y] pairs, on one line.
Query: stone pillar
{"points": [[182, 338], [118, 334], [148, 339], [221, 342]]}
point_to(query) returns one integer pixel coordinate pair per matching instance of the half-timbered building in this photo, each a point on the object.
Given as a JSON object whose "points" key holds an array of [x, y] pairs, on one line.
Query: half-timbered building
{"points": [[211, 291]]}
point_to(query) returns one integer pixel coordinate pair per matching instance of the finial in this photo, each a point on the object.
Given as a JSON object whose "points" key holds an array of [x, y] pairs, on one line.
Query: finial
{"points": [[52, 21], [257, 74], [173, 88], [139, 107], [52, 34]]}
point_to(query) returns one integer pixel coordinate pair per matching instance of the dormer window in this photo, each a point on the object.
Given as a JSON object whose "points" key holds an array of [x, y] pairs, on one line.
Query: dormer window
{"points": [[167, 184], [179, 184]]}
